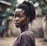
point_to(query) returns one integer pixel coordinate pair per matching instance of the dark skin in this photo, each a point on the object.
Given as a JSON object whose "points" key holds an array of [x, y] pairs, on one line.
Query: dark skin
{"points": [[26, 38], [21, 20]]}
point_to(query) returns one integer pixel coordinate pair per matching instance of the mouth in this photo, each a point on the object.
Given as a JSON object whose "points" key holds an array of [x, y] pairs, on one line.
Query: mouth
{"points": [[16, 23]]}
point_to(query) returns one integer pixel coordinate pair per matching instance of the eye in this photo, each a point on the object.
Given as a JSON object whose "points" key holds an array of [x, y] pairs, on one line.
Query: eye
{"points": [[17, 15], [21, 16]]}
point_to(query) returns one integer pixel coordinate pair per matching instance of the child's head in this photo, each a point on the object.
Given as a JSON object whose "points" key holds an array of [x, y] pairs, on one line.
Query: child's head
{"points": [[24, 13]]}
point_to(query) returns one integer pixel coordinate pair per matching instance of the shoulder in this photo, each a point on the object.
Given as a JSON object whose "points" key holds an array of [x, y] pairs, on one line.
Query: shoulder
{"points": [[28, 34]]}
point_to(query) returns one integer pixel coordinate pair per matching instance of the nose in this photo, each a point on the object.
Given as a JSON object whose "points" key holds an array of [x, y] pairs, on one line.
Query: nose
{"points": [[16, 19]]}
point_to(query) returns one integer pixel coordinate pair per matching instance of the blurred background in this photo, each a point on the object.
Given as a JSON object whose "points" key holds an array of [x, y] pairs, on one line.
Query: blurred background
{"points": [[38, 26]]}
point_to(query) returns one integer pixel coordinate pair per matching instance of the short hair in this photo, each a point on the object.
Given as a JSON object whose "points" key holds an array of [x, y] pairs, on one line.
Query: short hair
{"points": [[28, 8]]}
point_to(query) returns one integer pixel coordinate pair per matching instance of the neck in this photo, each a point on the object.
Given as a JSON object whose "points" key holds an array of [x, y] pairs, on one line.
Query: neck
{"points": [[24, 28]]}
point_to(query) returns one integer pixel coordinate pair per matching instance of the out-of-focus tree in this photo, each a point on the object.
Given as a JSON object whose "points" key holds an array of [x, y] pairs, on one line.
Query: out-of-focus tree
{"points": [[42, 4], [10, 9]]}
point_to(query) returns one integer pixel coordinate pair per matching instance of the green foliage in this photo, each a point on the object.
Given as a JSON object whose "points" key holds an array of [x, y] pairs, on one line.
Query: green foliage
{"points": [[0, 29], [12, 7], [13, 2], [42, 5]]}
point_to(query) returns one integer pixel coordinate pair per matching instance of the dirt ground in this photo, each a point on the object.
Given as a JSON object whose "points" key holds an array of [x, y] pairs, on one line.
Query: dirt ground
{"points": [[10, 40]]}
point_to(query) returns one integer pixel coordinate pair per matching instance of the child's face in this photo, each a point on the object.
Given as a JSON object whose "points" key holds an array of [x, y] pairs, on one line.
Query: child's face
{"points": [[20, 18]]}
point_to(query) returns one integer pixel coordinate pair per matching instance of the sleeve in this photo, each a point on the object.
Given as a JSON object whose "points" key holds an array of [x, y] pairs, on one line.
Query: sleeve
{"points": [[27, 41], [24, 41]]}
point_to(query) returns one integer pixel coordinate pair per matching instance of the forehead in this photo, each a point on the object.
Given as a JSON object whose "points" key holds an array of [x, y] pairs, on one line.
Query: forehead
{"points": [[18, 10]]}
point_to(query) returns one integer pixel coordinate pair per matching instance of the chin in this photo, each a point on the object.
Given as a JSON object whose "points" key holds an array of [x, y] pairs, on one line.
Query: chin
{"points": [[17, 26]]}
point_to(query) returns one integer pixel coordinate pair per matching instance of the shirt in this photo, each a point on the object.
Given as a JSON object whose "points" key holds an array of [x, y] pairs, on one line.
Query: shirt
{"points": [[25, 39]]}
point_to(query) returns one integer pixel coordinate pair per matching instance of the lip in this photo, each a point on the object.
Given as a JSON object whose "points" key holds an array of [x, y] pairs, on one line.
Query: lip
{"points": [[16, 23]]}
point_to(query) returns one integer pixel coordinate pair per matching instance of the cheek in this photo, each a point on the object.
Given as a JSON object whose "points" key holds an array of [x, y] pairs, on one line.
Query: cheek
{"points": [[23, 20]]}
